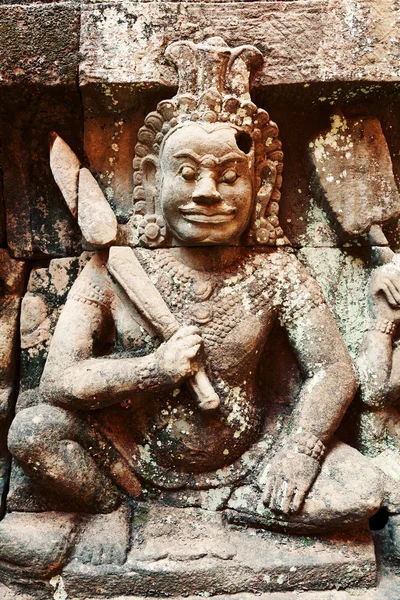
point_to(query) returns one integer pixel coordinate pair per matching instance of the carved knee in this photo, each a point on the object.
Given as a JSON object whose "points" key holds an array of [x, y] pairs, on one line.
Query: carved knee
{"points": [[35, 428]]}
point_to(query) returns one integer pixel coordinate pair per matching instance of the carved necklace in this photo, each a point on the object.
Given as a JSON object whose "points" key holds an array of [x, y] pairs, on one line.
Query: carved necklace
{"points": [[201, 288], [207, 299]]}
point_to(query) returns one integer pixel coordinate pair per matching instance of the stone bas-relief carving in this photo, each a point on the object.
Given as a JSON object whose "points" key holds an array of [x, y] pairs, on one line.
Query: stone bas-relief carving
{"points": [[355, 152], [152, 440], [12, 280]]}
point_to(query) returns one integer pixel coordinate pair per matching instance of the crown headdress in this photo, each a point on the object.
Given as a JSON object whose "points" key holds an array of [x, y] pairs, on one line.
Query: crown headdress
{"points": [[214, 86]]}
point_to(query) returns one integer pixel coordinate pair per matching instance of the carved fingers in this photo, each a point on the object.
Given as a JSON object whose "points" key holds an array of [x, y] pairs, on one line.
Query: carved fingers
{"points": [[391, 289], [289, 478], [385, 291], [100, 554], [279, 495], [178, 354]]}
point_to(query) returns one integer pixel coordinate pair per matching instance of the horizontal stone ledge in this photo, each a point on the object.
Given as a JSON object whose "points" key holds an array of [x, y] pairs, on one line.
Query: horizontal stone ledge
{"points": [[302, 41]]}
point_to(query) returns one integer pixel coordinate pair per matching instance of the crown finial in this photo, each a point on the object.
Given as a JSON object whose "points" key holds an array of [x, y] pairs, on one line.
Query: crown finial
{"points": [[212, 64]]}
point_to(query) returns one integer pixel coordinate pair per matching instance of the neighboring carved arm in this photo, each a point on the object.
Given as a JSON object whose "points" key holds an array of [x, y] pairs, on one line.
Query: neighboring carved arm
{"points": [[9, 309], [378, 364]]}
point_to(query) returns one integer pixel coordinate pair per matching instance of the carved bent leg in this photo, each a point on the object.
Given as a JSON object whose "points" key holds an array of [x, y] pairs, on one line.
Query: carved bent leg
{"points": [[349, 489], [52, 444]]}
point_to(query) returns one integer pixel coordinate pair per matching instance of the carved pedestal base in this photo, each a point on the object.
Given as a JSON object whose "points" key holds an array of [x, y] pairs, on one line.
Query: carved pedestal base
{"points": [[191, 551]]}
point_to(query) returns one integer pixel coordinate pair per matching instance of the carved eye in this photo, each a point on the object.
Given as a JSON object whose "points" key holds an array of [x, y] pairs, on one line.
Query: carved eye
{"points": [[188, 173], [229, 176]]}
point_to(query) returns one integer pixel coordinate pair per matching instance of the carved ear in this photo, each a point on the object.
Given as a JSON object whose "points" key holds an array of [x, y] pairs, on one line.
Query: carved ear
{"points": [[149, 168], [266, 227], [64, 165]]}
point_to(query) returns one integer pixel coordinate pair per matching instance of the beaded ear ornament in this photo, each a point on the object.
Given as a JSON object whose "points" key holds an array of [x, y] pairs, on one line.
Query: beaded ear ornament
{"points": [[214, 84]]}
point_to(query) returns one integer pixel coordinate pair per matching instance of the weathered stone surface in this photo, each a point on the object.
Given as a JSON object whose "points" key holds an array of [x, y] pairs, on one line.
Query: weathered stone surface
{"points": [[96, 218], [109, 142], [176, 550], [12, 284], [387, 590], [30, 531], [41, 306], [302, 41], [356, 292], [111, 417], [40, 44], [110, 139], [64, 165], [354, 173], [343, 274], [38, 66], [45, 296], [105, 421], [38, 220], [114, 99]]}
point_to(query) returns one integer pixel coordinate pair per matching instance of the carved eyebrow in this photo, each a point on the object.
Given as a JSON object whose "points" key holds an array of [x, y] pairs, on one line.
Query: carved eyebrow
{"points": [[188, 154], [232, 156]]}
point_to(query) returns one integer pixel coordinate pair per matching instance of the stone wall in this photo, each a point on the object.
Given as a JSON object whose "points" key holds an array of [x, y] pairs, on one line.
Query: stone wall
{"points": [[91, 72]]}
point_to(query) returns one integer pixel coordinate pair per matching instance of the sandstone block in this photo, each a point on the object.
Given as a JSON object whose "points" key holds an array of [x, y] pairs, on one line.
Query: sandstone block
{"points": [[40, 44], [301, 41]]}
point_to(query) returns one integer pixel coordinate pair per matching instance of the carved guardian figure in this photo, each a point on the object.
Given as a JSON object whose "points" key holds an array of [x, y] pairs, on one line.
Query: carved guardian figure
{"points": [[154, 390]]}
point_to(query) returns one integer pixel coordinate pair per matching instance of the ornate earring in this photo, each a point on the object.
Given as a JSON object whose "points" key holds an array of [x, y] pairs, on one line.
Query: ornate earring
{"points": [[152, 230]]}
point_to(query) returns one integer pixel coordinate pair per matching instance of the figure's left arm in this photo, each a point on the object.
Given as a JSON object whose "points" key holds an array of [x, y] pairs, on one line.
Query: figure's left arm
{"points": [[329, 377], [328, 388]]}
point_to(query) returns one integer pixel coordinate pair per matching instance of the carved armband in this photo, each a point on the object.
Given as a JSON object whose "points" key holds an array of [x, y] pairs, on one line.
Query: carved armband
{"points": [[152, 376], [149, 378], [382, 325], [88, 292], [307, 443]]}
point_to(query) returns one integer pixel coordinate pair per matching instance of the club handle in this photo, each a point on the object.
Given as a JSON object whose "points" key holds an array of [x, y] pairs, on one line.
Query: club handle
{"points": [[202, 390]]}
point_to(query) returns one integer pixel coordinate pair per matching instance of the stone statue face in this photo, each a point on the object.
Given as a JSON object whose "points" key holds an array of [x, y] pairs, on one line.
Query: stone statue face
{"points": [[207, 184]]}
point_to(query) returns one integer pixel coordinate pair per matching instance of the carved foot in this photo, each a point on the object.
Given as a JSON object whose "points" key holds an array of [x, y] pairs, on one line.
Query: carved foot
{"points": [[105, 538], [38, 544]]}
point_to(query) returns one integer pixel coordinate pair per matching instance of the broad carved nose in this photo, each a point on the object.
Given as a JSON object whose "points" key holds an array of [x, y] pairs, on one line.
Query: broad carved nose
{"points": [[206, 191]]}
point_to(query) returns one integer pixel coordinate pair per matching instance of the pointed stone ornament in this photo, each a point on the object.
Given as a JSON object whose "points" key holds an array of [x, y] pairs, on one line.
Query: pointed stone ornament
{"points": [[65, 167], [96, 218]]}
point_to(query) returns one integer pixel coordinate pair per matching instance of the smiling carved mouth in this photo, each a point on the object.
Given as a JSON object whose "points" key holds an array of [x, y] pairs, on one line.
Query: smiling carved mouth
{"points": [[202, 215]]}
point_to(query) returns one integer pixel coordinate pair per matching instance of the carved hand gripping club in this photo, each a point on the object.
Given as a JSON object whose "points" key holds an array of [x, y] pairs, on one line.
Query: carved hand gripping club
{"points": [[99, 227], [128, 272]]}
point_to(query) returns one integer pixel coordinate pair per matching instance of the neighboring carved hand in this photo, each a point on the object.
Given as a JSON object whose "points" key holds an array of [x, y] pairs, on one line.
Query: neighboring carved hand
{"points": [[177, 354], [385, 291], [290, 475]]}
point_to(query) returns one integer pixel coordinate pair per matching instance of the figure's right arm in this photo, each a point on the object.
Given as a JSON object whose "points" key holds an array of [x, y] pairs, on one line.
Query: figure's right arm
{"points": [[75, 377]]}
